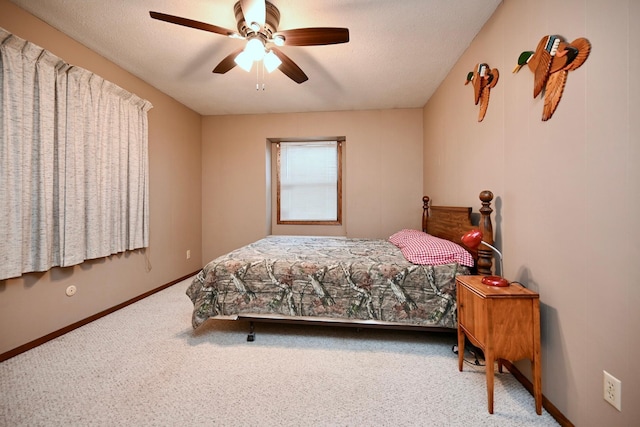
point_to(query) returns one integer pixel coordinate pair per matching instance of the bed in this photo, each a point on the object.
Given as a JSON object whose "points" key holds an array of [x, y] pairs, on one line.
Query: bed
{"points": [[406, 281]]}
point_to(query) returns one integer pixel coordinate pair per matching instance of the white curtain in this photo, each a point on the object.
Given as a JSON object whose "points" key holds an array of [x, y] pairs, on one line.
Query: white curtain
{"points": [[73, 163]]}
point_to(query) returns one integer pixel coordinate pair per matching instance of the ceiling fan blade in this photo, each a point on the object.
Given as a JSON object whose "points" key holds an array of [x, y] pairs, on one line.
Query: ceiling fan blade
{"points": [[254, 11], [290, 68], [193, 24], [314, 36], [227, 63]]}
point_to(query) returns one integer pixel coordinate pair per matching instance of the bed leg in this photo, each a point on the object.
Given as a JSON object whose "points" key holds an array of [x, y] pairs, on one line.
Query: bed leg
{"points": [[252, 335]]}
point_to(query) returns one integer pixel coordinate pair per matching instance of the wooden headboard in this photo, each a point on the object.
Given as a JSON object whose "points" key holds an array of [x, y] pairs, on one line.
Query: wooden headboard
{"points": [[451, 222]]}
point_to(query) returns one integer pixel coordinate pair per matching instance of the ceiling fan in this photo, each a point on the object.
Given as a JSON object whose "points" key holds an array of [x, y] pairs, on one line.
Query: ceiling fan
{"points": [[258, 24]]}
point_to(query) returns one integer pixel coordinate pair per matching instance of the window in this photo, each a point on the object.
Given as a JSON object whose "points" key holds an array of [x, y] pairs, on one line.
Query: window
{"points": [[309, 182]]}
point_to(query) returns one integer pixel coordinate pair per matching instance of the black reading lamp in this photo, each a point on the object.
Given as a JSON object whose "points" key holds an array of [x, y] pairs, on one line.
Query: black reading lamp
{"points": [[473, 239]]}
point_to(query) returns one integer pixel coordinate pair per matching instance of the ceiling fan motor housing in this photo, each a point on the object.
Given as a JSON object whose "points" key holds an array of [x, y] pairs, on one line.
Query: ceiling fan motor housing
{"points": [[270, 26]]}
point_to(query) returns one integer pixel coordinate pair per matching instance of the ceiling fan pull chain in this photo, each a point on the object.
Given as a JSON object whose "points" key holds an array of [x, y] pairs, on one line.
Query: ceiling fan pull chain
{"points": [[257, 77]]}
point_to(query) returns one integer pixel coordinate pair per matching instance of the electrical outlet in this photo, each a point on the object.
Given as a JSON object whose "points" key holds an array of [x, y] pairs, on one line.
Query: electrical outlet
{"points": [[612, 390], [188, 253]]}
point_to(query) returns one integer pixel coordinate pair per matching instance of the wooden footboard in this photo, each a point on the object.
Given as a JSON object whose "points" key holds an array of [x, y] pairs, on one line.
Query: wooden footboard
{"points": [[452, 222]]}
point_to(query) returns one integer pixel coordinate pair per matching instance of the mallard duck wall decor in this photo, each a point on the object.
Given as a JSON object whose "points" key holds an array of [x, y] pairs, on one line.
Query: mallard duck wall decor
{"points": [[483, 79], [550, 64]]}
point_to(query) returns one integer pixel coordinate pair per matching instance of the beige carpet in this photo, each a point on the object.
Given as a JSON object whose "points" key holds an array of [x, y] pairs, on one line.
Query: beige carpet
{"points": [[145, 366]]}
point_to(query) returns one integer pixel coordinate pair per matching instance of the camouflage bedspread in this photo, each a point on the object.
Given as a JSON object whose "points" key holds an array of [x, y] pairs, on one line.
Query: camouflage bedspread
{"points": [[326, 277]]}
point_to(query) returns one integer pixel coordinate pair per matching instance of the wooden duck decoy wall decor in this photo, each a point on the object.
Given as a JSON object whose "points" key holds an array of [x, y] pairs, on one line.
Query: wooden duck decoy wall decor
{"points": [[550, 64], [483, 79]]}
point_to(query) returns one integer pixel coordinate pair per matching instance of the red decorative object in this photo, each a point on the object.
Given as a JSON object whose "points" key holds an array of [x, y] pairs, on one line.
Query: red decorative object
{"points": [[473, 239]]}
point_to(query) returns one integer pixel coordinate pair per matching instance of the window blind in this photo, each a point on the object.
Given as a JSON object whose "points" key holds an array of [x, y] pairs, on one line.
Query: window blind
{"points": [[309, 181]]}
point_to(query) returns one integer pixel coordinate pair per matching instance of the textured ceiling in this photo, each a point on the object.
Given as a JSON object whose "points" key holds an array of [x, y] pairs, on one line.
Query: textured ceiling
{"points": [[398, 53]]}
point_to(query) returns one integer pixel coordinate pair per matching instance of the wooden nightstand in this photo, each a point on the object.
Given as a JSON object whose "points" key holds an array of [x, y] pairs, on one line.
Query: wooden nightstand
{"points": [[502, 321]]}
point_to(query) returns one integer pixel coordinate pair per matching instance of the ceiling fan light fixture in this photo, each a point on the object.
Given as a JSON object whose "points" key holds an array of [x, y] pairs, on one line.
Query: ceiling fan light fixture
{"points": [[278, 40], [244, 60], [255, 49], [271, 61]]}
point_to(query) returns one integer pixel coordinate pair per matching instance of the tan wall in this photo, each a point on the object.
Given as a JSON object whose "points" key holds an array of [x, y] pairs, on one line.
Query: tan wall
{"points": [[35, 304], [568, 190], [382, 175]]}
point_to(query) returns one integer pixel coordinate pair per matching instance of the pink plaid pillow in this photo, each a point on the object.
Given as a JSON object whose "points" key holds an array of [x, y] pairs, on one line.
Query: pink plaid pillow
{"points": [[431, 250], [403, 236]]}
